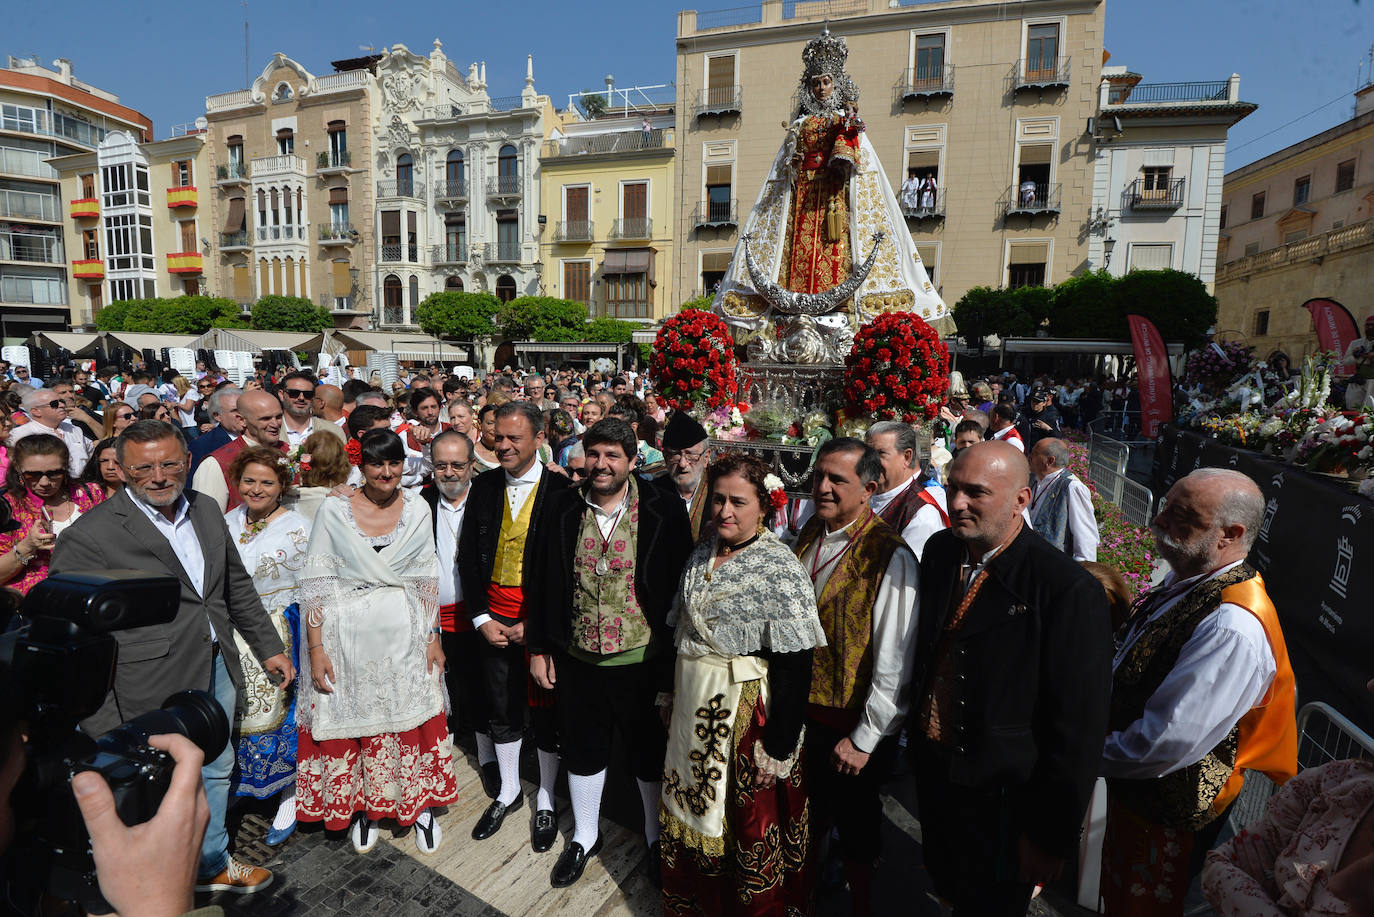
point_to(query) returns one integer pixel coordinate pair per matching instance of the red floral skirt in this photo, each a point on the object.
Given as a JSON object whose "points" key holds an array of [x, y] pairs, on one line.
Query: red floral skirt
{"points": [[393, 775], [764, 870]]}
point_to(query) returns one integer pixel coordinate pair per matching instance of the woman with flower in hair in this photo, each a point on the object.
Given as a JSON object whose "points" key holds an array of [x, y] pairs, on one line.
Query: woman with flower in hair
{"points": [[271, 540], [735, 820]]}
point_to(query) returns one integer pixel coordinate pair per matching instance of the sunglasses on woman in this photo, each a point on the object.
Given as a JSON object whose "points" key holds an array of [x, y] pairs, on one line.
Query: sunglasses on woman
{"points": [[33, 477]]}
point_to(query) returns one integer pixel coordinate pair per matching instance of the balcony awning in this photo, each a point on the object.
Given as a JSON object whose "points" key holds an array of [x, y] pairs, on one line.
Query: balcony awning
{"points": [[80, 345], [234, 222], [628, 261]]}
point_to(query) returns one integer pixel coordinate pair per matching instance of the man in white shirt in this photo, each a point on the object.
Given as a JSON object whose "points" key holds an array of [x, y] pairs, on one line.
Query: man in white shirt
{"points": [[297, 394], [914, 511], [24, 377], [261, 414], [1202, 689], [1061, 509], [1002, 426], [866, 585], [47, 411]]}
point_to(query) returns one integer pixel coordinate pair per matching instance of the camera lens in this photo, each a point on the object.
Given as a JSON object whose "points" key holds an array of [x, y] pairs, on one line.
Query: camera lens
{"points": [[194, 714]]}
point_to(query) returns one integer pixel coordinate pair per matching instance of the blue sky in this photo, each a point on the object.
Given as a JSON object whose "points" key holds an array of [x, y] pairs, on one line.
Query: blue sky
{"points": [[1292, 57]]}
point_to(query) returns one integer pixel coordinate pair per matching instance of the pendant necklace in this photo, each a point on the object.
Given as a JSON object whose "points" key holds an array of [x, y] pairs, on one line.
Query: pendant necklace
{"points": [[603, 566]]}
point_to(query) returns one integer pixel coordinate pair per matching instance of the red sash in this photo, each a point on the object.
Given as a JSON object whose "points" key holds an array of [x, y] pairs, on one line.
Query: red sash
{"points": [[927, 498], [453, 619], [506, 601]]}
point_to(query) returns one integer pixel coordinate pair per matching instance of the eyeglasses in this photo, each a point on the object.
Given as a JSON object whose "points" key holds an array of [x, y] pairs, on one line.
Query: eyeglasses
{"points": [[205, 385], [128, 416], [59, 403], [456, 466], [672, 455], [33, 477], [578, 473], [299, 392], [170, 469]]}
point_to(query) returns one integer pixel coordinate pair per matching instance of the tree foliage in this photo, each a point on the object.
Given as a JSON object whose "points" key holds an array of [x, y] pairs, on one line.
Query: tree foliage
{"points": [[290, 313], [593, 103], [542, 318], [608, 331], [702, 302], [458, 315], [182, 315], [983, 311]]}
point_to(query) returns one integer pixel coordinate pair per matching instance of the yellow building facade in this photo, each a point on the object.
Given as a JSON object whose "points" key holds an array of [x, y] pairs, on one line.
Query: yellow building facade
{"points": [[606, 205]]}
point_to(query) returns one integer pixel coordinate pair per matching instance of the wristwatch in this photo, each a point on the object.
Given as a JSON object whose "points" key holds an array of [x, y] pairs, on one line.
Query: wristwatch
{"points": [[23, 558]]}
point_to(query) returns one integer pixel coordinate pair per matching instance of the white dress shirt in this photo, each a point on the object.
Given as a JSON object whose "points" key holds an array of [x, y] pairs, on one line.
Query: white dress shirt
{"points": [[185, 544], [450, 523], [1082, 521], [894, 626], [78, 446], [925, 523], [1223, 671], [519, 489], [295, 437], [209, 479], [1010, 435]]}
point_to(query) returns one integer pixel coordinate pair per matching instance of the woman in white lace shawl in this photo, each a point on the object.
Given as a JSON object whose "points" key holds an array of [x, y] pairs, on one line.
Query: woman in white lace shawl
{"points": [[734, 812], [374, 742]]}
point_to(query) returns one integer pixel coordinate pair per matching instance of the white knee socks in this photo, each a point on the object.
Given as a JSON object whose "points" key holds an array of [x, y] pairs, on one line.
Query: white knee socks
{"points": [[649, 793], [548, 773], [486, 749], [586, 805], [286, 811], [508, 760]]}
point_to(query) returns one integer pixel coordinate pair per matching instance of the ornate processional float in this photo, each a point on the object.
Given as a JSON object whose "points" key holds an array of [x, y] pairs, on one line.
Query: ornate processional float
{"points": [[825, 298]]}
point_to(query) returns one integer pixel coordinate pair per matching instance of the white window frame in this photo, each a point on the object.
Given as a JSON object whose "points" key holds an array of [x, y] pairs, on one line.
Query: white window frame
{"points": [[939, 273], [1130, 254], [706, 66], [910, 146], [564, 195], [1020, 139], [648, 194], [701, 262], [1027, 240], [563, 277], [707, 161], [1061, 21], [946, 31]]}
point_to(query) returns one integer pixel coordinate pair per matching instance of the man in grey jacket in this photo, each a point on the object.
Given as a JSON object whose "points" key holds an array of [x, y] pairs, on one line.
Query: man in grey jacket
{"points": [[155, 524]]}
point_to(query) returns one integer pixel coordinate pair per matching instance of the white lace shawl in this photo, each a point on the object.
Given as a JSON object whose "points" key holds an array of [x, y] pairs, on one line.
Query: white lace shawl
{"points": [[375, 610], [761, 599]]}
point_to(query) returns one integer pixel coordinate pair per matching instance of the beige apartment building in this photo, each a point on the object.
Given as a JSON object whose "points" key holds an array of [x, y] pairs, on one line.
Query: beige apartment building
{"points": [[47, 113], [138, 228], [291, 194], [990, 100], [1298, 225]]}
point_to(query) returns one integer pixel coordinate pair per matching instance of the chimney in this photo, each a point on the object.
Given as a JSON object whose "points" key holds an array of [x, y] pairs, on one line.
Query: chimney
{"points": [[1364, 99], [610, 90], [64, 70]]}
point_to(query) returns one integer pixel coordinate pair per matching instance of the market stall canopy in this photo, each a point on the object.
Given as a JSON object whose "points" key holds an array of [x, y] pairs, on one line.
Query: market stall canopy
{"points": [[404, 346], [143, 340], [1075, 345], [243, 339], [78, 343]]}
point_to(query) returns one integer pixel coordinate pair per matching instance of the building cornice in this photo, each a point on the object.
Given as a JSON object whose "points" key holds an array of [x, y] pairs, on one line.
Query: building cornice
{"points": [[43, 86], [1348, 133]]}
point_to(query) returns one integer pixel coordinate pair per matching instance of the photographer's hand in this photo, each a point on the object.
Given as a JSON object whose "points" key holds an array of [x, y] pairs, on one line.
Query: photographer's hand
{"points": [[149, 869]]}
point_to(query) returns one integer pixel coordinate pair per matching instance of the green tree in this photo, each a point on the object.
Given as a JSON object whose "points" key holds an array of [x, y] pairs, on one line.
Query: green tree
{"points": [[983, 311], [290, 313], [458, 315], [593, 103], [182, 315], [1085, 307], [608, 331], [1095, 305], [113, 316], [702, 302], [542, 318]]}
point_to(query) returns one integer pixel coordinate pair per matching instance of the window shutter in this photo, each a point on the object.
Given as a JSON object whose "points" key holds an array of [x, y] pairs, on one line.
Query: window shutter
{"points": [[284, 133], [718, 175], [335, 127], [712, 262], [342, 282], [391, 223], [720, 71], [636, 204], [338, 195], [576, 203], [1029, 253]]}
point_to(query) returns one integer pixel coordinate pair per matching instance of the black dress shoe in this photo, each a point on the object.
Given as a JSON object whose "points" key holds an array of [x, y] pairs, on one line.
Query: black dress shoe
{"points": [[653, 866], [491, 779], [491, 819], [544, 831], [571, 862]]}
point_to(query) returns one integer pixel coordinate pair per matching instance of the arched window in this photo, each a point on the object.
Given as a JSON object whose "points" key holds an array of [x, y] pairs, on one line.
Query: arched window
{"points": [[414, 295], [405, 175], [508, 170], [453, 283], [505, 288], [392, 307], [453, 172]]}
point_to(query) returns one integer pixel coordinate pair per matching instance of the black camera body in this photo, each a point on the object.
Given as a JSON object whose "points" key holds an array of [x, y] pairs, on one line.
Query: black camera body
{"points": [[63, 665]]}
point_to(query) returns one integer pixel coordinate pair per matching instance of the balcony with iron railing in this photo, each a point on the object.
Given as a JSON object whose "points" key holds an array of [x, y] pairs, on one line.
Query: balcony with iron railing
{"points": [[31, 247], [716, 213], [1043, 73], [504, 252], [451, 189], [1154, 93], [234, 241], [393, 315], [286, 233], [508, 186], [622, 308], [719, 100], [608, 144], [338, 234], [633, 228], [405, 187], [1032, 198], [31, 205], [233, 173], [925, 83], [574, 231], [1155, 197], [449, 253], [329, 162], [400, 252], [339, 303], [924, 206]]}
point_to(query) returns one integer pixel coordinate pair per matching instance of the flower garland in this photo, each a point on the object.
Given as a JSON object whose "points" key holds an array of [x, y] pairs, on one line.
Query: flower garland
{"points": [[355, 452], [777, 492], [693, 364], [898, 369]]}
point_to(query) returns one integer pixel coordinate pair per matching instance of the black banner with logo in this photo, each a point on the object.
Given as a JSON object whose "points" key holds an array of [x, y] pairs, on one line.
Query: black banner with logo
{"points": [[1316, 552]]}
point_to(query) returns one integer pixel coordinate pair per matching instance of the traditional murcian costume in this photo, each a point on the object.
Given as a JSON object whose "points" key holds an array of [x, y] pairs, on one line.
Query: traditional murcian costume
{"points": [[913, 510], [745, 633], [1062, 512]]}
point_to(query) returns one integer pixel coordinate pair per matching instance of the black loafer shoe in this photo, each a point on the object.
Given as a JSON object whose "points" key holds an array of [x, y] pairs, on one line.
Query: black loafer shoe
{"points": [[491, 819], [653, 866], [491, 780], [544, 831], [571, 862]]}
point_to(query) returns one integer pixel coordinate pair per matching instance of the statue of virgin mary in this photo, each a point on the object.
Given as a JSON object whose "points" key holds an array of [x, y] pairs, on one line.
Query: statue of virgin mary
{"points": [[825, 247]]}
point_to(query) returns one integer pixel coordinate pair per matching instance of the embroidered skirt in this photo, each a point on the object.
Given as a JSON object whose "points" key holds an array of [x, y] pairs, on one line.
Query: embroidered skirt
{"points": [[1144, 865], [265, 720], [392, 775], [729, 848]]}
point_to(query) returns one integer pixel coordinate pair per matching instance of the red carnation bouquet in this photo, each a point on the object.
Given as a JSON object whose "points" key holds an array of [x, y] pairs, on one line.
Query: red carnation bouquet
{"points": [[693, 365], [355, 452], [898, 369]]}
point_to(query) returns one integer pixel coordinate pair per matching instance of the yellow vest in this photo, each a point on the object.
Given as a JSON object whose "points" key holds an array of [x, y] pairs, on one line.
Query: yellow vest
{"points": [[510, 544]]}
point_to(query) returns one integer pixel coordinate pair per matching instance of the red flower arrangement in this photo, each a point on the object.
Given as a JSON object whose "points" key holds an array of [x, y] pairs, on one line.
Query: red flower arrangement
{"points": [[694, 361], [898, 369], [355, 452]]}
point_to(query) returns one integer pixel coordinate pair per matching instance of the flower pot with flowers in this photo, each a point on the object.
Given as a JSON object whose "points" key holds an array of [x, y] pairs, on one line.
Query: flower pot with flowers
{"points": [[693, 363], [897, 369]]}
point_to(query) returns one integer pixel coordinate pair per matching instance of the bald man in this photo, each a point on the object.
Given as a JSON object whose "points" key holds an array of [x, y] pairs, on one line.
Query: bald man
{"points": [[328, 405], [1202, 690], [262, 423], [1010, 685]]}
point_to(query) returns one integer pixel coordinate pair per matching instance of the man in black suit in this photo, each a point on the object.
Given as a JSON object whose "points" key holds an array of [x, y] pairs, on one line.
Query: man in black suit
{"points": [[155, 524], [1011, 680], [224, 411], [609, 562], [506, 517], [686, 453]]}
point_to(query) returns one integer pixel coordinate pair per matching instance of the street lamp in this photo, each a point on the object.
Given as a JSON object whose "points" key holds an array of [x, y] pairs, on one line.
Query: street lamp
{"points": [[1107, 245]]}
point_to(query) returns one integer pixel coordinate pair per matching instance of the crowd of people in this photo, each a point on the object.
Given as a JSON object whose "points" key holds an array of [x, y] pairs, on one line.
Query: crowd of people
{"points": [[378, 581]]}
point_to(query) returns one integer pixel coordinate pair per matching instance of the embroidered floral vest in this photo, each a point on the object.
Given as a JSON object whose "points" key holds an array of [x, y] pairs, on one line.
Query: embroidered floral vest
{"points": [[1191, 797], [843, 669], [509, 568], [607, 618]]}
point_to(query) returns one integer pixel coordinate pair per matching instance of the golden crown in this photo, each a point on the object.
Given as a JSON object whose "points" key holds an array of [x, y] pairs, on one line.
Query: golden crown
{"points": [[824, 54]]}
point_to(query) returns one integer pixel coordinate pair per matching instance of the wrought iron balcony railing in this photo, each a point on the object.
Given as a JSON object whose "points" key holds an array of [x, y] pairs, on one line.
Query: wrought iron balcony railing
{"points": [[1211, 91], [397, 251], [634, 228], [232, 173], [1043, 72], [1140, 197], [332, 160], [451, 189], [449, 253], [504, 252], [233, 241], [926, 82], [716, 213], [574, 231], [338, 234], [402, 188], [923, 206], [1031, 198], [505, 186], [719, 100]]}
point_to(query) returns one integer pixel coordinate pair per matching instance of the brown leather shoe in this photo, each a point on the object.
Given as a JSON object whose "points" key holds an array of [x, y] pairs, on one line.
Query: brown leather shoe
{"points": [[239, 878]]}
